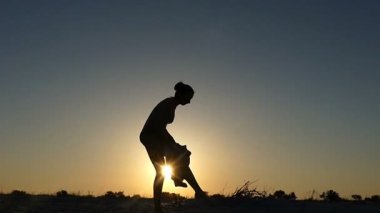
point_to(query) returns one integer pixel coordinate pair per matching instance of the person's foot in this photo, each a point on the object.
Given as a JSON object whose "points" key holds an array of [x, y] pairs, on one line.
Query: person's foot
{"points": [[180, 184], [201, 195]]}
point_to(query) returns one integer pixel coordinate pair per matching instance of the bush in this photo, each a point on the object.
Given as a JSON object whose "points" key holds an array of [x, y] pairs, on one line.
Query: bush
{"points": [[172, 198], [62, 193], [245, 192], [330, 196], [373, 198], [114, 195], [292, 196], [217, 196], [356, 197], [17, 194], [281, 195]]}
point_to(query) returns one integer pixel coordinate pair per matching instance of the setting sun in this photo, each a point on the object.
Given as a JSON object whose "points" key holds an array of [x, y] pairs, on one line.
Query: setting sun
{"points": [[167, 170]]}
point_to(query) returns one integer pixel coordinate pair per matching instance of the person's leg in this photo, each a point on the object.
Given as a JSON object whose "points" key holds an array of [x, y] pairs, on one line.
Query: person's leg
{"points": [[155, 154], [178, 181], [189, 177], [157, 189], [177, 175], [158, 182]]}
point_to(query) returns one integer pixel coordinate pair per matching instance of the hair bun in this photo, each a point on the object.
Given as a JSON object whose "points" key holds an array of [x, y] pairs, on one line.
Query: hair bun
{"points": [[180, 85]]}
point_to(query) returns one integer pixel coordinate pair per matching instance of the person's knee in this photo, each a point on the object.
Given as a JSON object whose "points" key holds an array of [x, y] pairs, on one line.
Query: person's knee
{"points": [[158, 169], [159, 172], [160, 175]]}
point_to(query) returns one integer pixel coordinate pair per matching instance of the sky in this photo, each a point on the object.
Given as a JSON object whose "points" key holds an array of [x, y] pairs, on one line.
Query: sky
{"points": [[286, 94]]}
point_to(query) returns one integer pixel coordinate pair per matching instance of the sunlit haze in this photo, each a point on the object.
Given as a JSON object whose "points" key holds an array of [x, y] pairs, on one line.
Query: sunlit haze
{"points": [[287, 94], [167, 170]]}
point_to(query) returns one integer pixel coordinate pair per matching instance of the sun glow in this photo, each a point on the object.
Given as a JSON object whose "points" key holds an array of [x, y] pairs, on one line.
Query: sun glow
{"points": [[167, 170]]}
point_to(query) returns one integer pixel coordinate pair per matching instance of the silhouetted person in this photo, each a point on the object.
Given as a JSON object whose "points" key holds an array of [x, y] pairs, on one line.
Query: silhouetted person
{"points": [[159, 143]]}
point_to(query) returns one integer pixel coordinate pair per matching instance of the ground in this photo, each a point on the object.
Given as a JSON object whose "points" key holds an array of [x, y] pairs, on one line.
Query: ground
{"points": [[83, 204]]}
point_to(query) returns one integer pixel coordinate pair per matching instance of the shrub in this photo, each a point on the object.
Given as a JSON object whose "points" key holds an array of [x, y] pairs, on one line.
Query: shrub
{"points": [[356, 197], [110, 195], [373, 198], [120, 194], [114, 195], [217, 196], [281, 195], [17, 194], [172, 198], [62, 193], [136, 196], [330, 196], [245, 192], [292, 196]]}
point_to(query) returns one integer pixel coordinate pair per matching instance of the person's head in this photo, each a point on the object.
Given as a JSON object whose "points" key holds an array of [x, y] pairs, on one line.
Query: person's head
{"points": [[183, 93]]}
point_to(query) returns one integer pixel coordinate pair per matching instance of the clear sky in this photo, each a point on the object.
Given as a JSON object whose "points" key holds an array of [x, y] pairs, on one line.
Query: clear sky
{"points": [[286, 93]]}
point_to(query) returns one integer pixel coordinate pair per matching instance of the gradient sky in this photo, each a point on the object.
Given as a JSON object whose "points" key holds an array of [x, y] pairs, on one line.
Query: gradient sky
{"points": [[287, 93]]}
